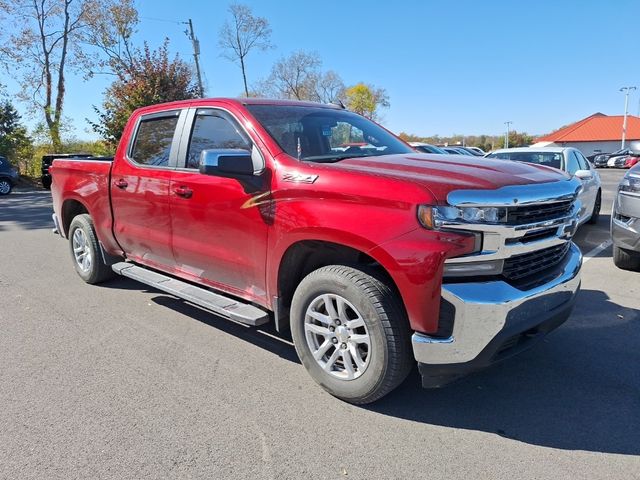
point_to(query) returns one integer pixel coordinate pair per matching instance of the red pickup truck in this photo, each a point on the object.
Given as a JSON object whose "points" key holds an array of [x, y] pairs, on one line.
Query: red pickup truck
{"points": [[375, 256]]}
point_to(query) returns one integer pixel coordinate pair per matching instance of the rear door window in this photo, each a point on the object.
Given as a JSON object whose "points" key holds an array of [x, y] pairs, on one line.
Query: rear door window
{"points": [[152, 145]]}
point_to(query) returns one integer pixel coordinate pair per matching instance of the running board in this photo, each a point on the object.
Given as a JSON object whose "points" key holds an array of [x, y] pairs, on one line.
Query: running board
{"points": [[219, 304]]}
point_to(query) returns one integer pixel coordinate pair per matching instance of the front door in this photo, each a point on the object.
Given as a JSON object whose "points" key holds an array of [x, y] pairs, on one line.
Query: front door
{"points": [[140, 182], [219, 224]]}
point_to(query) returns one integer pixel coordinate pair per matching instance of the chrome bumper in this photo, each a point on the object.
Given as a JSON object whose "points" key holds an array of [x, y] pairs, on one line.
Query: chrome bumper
{"points": [[56, 225], [483, 310]]}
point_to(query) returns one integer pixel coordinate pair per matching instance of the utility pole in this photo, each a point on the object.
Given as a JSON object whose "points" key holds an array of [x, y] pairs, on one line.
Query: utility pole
{"points": [[196, 54], [626, 91], [506, 138]]}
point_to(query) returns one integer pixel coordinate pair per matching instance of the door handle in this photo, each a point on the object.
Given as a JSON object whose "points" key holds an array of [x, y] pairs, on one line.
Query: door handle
{"points": [[121, 183], [184, 192]]}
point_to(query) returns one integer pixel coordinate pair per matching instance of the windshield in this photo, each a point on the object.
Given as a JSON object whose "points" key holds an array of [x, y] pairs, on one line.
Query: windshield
{"points": [[317, 134], [550, 159]]}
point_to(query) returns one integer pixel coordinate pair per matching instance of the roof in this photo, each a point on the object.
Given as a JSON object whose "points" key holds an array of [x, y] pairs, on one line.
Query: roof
{"points": [[596, 128]]}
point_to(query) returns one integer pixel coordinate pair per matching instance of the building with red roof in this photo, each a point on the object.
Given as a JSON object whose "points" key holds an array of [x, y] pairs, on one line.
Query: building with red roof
{"points": [[598, 133]]}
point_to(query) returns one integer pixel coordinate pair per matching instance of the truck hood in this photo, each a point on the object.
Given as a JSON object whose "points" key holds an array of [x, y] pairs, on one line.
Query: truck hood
{"points": [[442, 174]]}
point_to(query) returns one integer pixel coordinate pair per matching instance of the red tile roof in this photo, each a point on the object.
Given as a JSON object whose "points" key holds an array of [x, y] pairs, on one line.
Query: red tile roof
{"points": [[596, 128]]}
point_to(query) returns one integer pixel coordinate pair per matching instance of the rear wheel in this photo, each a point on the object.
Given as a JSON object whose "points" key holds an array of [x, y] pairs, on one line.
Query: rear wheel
{"points": [[626, 259], [5, 187], [595, 214], [85, 251], [351, 333]]}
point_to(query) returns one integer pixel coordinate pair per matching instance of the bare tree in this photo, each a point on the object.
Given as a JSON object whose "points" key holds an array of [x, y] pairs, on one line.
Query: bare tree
{"points": [[299, 77], [45, 44], [243, 34]]}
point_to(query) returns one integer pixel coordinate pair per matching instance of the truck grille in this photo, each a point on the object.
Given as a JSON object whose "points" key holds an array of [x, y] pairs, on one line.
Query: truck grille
{"points": [[521, 266], [522, 215]]}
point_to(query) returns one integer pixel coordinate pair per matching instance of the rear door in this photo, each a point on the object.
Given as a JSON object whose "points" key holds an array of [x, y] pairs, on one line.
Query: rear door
{"points": [[140, 183], [219, 224]]}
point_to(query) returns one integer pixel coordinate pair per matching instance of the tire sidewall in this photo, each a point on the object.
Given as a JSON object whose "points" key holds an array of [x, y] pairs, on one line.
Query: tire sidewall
{"points": [[82, 222], [330, 282]]}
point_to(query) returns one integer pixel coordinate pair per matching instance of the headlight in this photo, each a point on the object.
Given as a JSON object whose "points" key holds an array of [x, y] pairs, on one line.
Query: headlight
{"points": [[434, 218], [630, 184]]}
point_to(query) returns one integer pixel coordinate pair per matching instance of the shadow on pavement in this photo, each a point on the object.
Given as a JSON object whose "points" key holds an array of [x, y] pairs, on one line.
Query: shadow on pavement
{"points": [[590, 236], [578, 390], [29, 209], [265, 336]]}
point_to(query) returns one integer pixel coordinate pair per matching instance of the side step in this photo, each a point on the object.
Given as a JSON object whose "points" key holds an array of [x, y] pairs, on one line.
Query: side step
{"points": [[219, 304]]}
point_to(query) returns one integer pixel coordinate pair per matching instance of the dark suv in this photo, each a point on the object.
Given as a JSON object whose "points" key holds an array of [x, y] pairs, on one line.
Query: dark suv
{"points": [[48, 159], [8, 176]]}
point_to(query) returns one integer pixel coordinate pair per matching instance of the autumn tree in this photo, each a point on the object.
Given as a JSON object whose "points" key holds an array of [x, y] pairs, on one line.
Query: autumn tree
{"points": [[153, 78], [48, 42], [366, 100], [242, 35]]}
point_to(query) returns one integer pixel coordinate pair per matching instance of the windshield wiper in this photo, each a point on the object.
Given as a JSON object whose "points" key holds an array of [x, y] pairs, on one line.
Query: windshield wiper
{"points": [[329, 158]]}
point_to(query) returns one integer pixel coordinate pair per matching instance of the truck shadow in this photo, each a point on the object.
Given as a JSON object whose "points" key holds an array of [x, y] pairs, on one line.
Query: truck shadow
{"points": [[577, 390], [29, 209], [265, 336], [590, 236]]}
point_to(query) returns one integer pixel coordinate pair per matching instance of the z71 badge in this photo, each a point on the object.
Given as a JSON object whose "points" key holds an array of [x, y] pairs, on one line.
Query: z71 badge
{"points": [[299, 178]]}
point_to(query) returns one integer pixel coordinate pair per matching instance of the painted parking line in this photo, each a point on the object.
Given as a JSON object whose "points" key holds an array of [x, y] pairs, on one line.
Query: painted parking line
{"points": [[596, 250]]}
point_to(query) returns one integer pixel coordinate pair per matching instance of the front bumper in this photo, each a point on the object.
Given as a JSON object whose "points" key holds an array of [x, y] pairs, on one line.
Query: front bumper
{"points": [[493, 320]]}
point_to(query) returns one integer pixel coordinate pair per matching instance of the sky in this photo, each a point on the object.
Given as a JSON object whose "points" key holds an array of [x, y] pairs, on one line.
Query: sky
{"points": [[449, 67]]}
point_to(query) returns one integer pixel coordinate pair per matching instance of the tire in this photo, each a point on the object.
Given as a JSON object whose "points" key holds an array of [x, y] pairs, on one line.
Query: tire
{"points": [[85, 251], [367, 308], [625, 259], [5, 186], [595, 214], [46, 183]]}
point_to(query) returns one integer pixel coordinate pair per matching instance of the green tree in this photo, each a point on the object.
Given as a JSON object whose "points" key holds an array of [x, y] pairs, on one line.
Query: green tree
{"points": [[153, 78], [15, 143], [366, 100]]}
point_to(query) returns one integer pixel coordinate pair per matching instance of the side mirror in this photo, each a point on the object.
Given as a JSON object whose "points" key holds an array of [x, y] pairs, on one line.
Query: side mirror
{"points": [[226, 162], [584, 174]]}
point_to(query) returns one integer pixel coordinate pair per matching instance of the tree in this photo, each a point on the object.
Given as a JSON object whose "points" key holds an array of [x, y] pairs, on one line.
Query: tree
{"points": [[153, 78], [49, 41], [48, 34], [298, 77], [242, 35], [366, 100], [15, 144]]}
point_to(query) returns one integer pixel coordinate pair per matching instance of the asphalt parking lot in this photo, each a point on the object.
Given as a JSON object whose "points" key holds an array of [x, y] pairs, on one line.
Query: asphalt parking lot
{"points": [[117, 381]]}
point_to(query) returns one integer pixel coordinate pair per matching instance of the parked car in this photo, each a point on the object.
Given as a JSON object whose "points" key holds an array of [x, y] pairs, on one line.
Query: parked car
{"points": [[46, 163], [602, 160], [571, 161], [630, 162], [625, 222], [427, 148], [456, 151], [479, 152], [8, 176], [374, 260]]}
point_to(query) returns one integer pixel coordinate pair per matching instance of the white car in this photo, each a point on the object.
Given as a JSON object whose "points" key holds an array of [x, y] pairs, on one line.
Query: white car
{"points": [[570, 160]]}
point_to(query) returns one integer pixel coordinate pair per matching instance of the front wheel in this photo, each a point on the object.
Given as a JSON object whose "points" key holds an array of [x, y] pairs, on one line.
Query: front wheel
{"points": [[85, 251], [595, 214], [625, 259], [351, 333]]}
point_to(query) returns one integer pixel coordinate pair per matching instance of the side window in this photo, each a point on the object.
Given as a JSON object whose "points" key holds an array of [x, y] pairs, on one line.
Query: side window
{"points": [[212, 132], [152, 144], [572, 163], [584, 163]]}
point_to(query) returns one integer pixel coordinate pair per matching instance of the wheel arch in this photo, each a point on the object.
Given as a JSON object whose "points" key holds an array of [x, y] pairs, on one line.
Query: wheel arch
{"points": [[71, 208], [304, 256]]}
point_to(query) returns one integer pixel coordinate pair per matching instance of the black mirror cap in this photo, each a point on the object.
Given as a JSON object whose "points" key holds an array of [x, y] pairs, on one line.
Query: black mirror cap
{"points": [[226, 162]]}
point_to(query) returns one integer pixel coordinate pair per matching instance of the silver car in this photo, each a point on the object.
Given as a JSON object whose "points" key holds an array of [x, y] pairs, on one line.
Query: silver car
{"points": [[570, 160], [625, 222]]}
